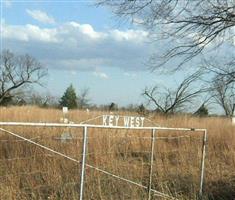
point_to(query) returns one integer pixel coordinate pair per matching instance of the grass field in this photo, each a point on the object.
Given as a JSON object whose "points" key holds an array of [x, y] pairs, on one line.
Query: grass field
{"points": [[29, 172]]}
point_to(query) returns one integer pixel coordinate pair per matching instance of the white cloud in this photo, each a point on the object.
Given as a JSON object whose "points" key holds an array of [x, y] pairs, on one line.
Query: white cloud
{"points": [[10, 32], [87, 29], [41, 16], [75, 46], [71, 32], [101, 75], [29, 32], [129, 35], [47, 35]]}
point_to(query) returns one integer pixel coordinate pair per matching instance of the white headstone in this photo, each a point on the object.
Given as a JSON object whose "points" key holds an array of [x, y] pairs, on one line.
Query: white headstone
{"points": [[65, 110], [66, 137]]}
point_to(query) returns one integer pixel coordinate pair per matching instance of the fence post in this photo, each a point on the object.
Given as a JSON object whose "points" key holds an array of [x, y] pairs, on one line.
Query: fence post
{"points": [[83, 165], [151, 164], [203, 164]]}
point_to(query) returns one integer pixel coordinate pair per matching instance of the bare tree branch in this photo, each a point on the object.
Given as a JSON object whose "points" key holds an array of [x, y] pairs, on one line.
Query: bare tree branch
{"points": [[83, 100], [171, 101], [16, 72], [223, 71], [224, 94], [193, 24]]}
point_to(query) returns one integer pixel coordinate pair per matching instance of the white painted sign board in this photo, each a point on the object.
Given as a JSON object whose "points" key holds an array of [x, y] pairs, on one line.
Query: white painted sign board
{"points": [[127, 121], [65, 110]]}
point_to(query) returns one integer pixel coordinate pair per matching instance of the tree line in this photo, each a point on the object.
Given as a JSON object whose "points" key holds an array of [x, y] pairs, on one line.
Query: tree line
{"points": [[20, 72]]}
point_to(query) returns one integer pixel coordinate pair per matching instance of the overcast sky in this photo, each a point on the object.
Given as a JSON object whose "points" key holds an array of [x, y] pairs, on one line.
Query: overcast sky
{"points": [[83, 45]]}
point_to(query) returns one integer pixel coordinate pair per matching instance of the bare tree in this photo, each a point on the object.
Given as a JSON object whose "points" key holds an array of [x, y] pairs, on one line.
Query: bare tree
{"points": [[42, 99], [170, 101], [16, 73], [83, 100], [112, 107], [187, 26], [224, 94], [225, 71]]}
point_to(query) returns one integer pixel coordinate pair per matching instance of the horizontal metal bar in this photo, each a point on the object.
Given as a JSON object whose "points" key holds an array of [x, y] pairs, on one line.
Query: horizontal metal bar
{"points": [[39, 124]]}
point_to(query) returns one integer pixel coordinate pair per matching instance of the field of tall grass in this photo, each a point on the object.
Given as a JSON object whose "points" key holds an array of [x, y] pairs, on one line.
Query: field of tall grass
{"points": [[30, 172]]}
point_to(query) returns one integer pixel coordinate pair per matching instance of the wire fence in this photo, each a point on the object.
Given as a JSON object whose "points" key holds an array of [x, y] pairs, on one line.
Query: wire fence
{"points": [[152, 139]]}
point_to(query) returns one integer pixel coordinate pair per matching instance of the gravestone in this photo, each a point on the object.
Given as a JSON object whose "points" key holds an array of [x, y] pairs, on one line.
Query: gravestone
{"points": [[65, 137]]}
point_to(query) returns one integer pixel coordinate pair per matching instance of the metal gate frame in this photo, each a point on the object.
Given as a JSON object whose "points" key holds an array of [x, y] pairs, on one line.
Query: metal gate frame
{"points": [[84, 149]]}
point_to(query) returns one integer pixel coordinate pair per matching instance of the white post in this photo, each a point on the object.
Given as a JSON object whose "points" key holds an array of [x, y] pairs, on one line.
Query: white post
{"points": [[83, 162], [65, 111], [151, 164], [203, 164]]}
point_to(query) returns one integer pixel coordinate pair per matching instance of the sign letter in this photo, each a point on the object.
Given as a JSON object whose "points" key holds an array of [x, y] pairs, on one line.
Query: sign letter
{"points": [[104, 120], [126, 121], [132, 121], [142, 121], [111, 120], [116, 120]]}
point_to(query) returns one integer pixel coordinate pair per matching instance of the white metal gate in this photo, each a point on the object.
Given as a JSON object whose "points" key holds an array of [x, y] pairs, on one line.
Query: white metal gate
{"points": [[153, 131]]}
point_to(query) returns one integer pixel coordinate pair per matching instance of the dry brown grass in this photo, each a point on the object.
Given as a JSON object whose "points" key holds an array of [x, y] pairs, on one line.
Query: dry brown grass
{"points": [[28, 172]]}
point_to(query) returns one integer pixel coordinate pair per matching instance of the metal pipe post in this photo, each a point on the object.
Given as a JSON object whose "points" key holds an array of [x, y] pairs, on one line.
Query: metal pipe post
{"points": [[83, 162], [151, 164], [203, 164]]}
